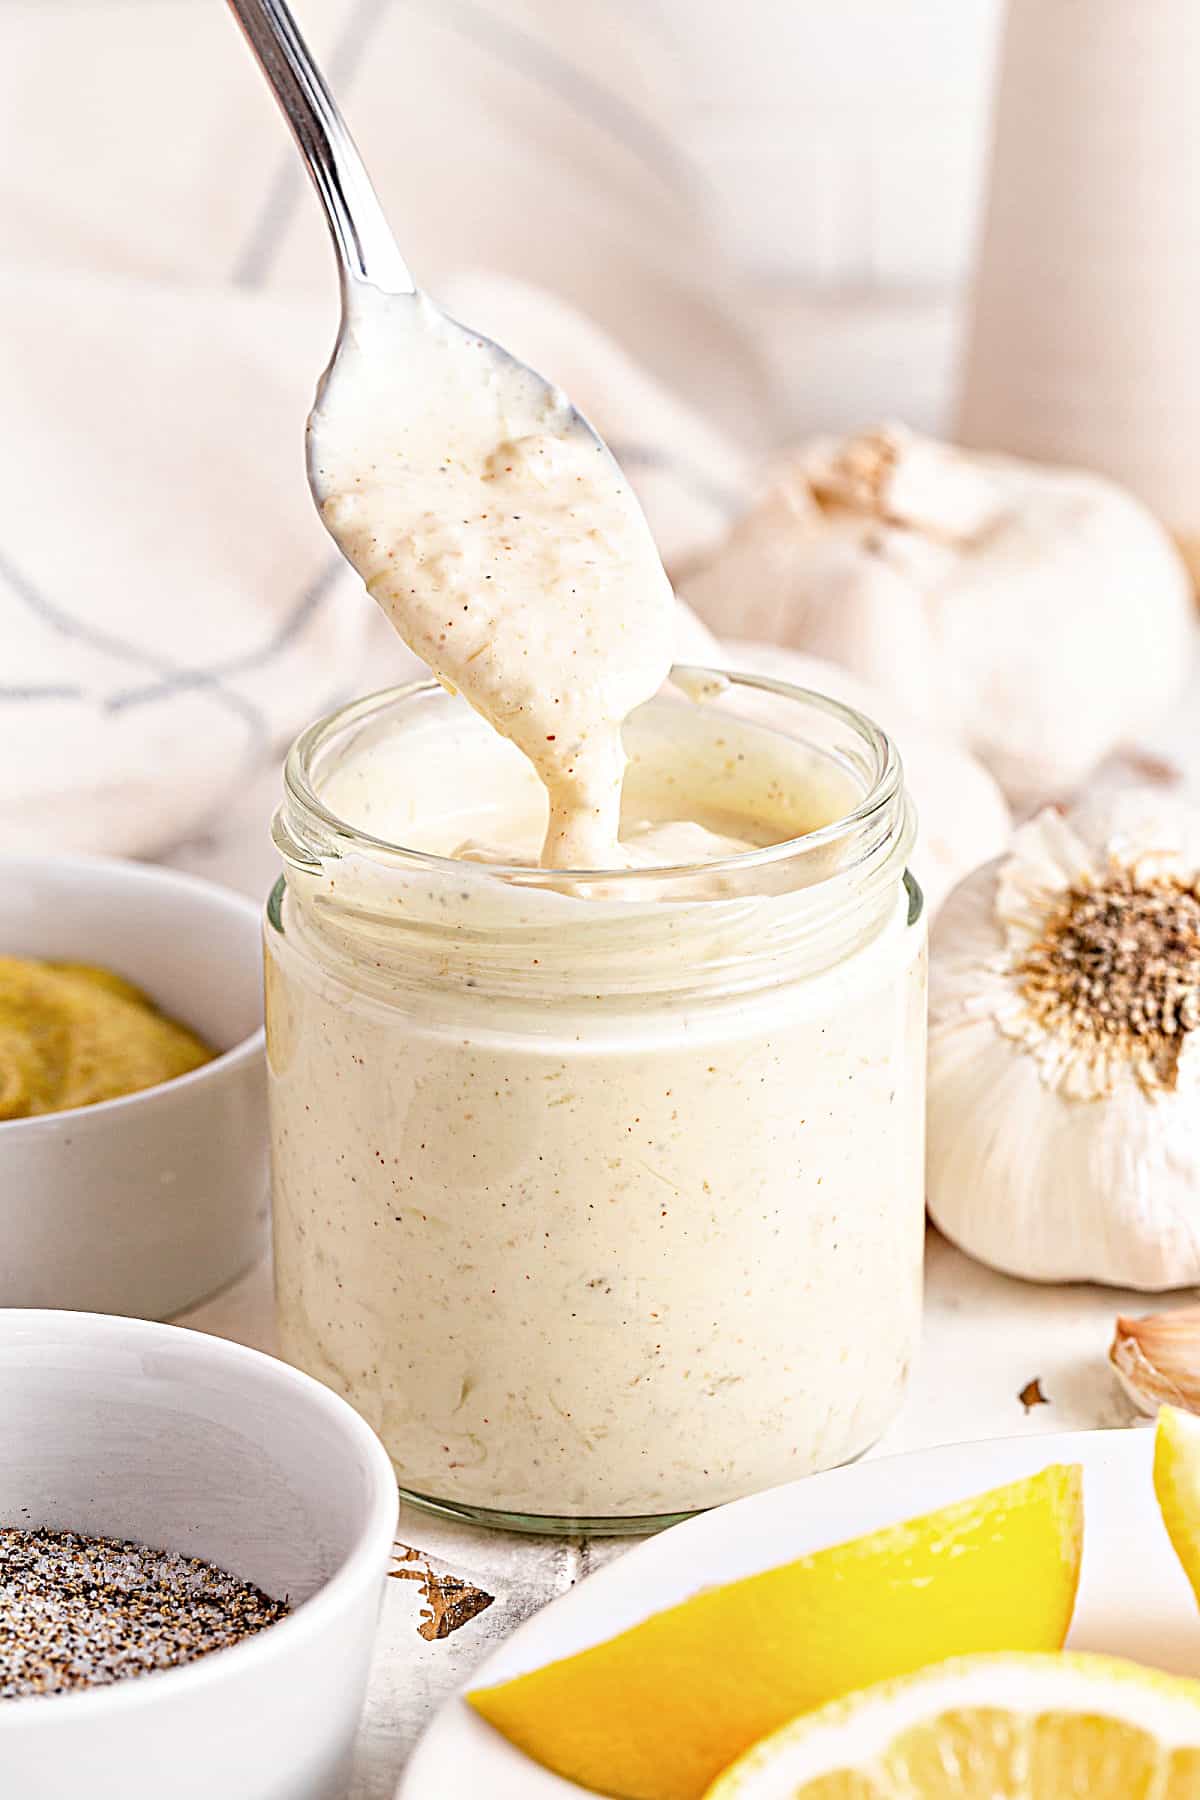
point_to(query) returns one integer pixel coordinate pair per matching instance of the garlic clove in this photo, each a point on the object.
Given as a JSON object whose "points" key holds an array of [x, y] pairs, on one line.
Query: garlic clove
{"points": [[1157, 1359]]}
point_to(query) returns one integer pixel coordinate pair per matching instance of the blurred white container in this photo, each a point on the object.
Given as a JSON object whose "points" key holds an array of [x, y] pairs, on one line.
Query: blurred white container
{"points": [[1084, 346]]}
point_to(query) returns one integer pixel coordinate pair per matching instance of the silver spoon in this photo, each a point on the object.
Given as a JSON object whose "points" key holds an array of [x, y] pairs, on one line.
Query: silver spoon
{"points": [[362, 239]]}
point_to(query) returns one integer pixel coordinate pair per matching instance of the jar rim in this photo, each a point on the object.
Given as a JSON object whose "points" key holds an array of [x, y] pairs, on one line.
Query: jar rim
{"points": [[307, 808]]}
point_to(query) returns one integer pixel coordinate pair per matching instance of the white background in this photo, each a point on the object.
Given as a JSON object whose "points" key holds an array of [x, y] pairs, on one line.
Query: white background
{"points": [[844, 142], [845, 147]]}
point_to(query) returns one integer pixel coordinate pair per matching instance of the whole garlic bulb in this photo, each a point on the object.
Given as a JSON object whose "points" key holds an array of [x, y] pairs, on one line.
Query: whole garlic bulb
{"points": [[1041, 615], [1064, 1049], [962, 816]]}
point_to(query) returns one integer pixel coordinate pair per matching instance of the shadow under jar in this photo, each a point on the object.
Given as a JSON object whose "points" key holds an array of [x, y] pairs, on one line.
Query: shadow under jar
{"points": [[600, 1195]]}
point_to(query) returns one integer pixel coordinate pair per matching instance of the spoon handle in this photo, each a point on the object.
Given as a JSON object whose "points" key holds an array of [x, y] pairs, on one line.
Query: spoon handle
{"points": [[366, 249]]}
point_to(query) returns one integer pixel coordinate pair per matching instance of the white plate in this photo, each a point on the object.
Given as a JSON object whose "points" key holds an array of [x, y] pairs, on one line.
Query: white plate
{"points": [[1133, 1597]]}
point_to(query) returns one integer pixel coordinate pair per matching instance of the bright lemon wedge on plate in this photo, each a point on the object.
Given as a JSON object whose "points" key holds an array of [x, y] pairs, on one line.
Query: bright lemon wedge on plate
{"points": [[658, 1712], [1177, 1484], [989, 1728]]}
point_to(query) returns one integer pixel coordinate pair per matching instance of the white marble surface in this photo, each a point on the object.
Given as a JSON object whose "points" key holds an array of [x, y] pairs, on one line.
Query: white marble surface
{"points": [[985, 1338]]}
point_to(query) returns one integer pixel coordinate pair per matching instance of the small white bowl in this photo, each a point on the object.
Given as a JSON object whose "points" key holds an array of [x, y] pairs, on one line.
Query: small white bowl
{"points": [[147, 1204], [186, 1442]]}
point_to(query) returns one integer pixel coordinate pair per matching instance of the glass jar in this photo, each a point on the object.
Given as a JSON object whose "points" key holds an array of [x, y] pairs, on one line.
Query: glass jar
{"points": [[601, 1195]]}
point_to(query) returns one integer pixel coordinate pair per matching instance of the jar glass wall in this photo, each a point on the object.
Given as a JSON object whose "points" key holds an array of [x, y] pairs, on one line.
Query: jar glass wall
{"points": [[600, 1194]]}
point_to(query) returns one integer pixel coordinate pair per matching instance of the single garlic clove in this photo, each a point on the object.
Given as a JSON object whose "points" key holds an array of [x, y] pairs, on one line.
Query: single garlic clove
{"points": [[1157, 1359]]}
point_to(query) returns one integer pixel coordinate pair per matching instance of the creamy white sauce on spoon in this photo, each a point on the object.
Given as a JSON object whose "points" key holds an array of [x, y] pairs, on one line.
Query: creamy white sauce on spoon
{"points": [[506, 547]]}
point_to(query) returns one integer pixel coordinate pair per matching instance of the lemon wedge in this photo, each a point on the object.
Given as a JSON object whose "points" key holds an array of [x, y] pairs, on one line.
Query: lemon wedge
{"points": [[658, 1712], [989, 1728], [1177, 1484]]}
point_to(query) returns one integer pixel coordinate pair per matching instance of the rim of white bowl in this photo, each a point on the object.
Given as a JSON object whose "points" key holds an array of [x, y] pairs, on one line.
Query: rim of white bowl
{"points": [[154, 875], [274, 1641]]}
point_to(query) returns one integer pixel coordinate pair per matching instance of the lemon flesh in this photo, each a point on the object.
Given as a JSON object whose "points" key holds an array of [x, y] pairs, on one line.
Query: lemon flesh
{"points": [[658, 1712], [1039, 1727], [1177, 1484]]}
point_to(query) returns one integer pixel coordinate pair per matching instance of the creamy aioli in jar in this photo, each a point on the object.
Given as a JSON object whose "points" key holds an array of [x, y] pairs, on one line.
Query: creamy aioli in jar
{"points": [[602, 1200]]}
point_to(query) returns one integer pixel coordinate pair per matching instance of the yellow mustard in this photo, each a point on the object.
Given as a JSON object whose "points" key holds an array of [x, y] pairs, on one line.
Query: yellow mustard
{"points": [[72, 1034]]}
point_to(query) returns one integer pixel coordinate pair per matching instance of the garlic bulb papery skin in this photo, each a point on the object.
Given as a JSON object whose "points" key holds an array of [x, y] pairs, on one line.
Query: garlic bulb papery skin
{"points": [[1040, 615], [1064, 1049], [1157, 1359], [962, 816]]}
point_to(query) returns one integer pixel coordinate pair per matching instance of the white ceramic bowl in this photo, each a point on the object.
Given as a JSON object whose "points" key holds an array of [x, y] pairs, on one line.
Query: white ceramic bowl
{"points": [[150, 1203], [185, 1442]]}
